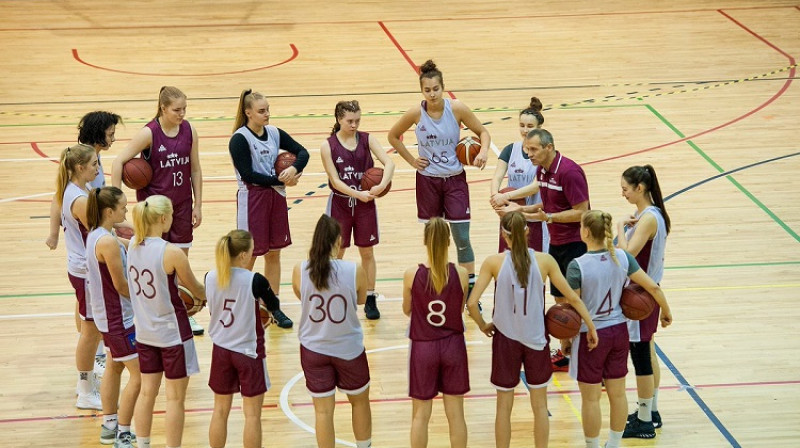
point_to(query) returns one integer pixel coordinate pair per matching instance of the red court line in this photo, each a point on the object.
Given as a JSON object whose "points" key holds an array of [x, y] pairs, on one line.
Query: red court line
{"points": [[234, 72]]}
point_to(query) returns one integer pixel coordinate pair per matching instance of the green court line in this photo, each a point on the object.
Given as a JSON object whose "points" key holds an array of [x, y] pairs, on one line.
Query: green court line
{"points": [[716, 166]]}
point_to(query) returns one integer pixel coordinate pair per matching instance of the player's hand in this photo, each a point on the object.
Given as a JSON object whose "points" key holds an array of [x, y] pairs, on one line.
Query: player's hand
{"points": [[488, 329], [376, 190], [666, 317], [566, 346], [622, 224], [420, 163], [52, 241], [197, 217], [592, 339], [364, 196], [499, 200], [287, 175], [480, 159]]}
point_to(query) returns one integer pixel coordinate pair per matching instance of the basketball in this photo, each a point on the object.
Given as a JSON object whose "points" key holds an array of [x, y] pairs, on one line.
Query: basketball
{"points": [[266, 316], [137, 173], [124, 232], [636, 302], [520, 201], [562, 321], [283, 161], [373, 176], [192, 304], [467, 149]]}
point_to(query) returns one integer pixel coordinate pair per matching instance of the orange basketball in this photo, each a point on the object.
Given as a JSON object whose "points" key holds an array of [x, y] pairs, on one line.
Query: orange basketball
{"points": [[373, 176], [124, 232], [283, 161], [192, 304], [520, 201], [637, 303], [266, 316], [562, 321], [137, 173], [467, 149]]}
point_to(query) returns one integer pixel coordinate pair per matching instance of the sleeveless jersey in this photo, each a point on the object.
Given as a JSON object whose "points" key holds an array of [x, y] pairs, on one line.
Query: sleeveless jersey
{"points": [[170, 159], [519, 312], [74, 232], [351, 165], [262, 153], [100, 180], [651, 257], [601, 287], [235, 319], [521, 173], [112, 313], [329, 321], [437, 141], [158, 311], [435, 316]]}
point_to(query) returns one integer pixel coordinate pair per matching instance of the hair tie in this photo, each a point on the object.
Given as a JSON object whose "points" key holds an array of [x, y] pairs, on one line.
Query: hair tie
{"points": [[97, 192], [145, 203]]}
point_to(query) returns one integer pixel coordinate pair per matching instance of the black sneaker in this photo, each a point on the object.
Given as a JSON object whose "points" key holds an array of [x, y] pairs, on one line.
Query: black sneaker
{"points": [[639, 429], [281, 319], [655, 416], [371, 308]]}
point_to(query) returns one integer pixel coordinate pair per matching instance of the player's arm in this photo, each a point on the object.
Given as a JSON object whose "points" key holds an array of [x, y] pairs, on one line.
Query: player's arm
{"points": [[175, 260], [197, 180], [239, 150], [55, 224], [463, 276], [489, 270], [140, 141], [405, 122], [645, 229], [333, 176], [388, 165], [464, 115], [296, 276], [263, 291], [107, 251], [408, 282], [361, 284], [291, 175], [549, 268]]}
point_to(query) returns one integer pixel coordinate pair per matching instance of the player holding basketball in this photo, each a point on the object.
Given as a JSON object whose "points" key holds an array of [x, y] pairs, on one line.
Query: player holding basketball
{"points": [[441, 183], [170, 144], [331, 339], [238, 359], [78, 167], [261, 199], [163, 336], [434, 293], [518, 328], [346, 156], [514, 161], [598, 277], [644, 235], [107, 284]]}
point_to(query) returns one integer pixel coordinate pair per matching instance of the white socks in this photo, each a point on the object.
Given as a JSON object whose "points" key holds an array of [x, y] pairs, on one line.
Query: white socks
{"points": [[110, 421], [654, 407], [614, 439], [645, 409], [593, 442], [363, 443], [85, 386]]}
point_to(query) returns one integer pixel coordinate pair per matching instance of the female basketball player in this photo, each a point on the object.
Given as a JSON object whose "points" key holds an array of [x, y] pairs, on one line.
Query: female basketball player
{"points": [[163, 335], [434, 294], [78, 167], [346, 156], [514, 161], [331, 339], [238, 359], [598, 277], [441, 187], [107, 284], [644, 236], [518, 330], [170, 144], [262, 208]]}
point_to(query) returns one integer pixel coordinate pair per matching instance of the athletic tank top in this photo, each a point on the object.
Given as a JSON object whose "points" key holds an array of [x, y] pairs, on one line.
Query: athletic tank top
{"points": [[602, 281], [158, 311], [435, 316], [437, 141], [262, 153], [351, 165], [74, 232], [170, 159], [651, 257], [329, 321], [235, 319], [518, 311], [112, 313], [521, 173]]}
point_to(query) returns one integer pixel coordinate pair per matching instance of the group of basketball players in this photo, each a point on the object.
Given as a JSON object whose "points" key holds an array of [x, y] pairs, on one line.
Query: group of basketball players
{"points": [[127, 290]]}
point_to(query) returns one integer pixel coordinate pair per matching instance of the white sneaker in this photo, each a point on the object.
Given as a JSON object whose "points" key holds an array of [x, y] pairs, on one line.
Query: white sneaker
{"points": [[89, 401], [197, 329]]}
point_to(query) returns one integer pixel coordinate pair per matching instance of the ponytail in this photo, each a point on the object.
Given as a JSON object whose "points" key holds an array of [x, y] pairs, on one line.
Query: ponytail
{"points": [[437, 241], [166, 96], [646, 176], [99, 200], [230, 246], [146, 213], [600, 229], [343, 107], [323, 243], [513, 226], [71, 159], [246, 100], [535, 109]]}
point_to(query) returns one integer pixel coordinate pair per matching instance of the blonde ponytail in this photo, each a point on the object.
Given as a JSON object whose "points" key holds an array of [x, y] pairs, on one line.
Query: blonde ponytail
{"points": [[71, 158], [146, 213], [514, 225], [600, 229], [437, 241], [228, 247], [246, 100]]}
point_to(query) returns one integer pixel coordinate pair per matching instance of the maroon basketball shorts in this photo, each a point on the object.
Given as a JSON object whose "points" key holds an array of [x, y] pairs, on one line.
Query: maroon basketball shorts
{"points": [[535, 237], [233, 372], [356, 217], [121, 345], [509, 355], [647, 327], [263, 212], [84, 308], [609, 360], [325, 373], [178, 361], [438, 366], [180, 233], [447, 197]]}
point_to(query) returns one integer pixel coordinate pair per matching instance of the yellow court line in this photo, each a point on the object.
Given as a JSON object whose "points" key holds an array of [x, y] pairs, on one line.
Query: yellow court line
{"points": [[568, 399]]}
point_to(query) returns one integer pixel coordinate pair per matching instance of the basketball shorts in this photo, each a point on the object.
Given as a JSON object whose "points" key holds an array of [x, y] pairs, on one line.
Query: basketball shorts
{"points": [[355, 217], [263, 212], [178, 361], [447, 197], [508, 356], [325, 373], [438, 366], [609, 360], [121, 345], [84, 308], [233, 372]]}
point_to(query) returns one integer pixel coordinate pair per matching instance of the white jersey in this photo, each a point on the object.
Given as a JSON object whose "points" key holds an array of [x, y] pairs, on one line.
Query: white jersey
{"points": [[601, 287], [518, 311], [74, 231], [262, 153], [521, 173], [651, 257], [437, 140], [329, 322], [158, 311], [112, 313], [235, 318]]}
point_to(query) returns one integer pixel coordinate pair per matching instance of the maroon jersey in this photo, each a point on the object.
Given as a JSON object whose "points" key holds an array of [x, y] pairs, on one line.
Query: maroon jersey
{"points": [[561, 187], [170, 159], [351, 165], [435, 316]]}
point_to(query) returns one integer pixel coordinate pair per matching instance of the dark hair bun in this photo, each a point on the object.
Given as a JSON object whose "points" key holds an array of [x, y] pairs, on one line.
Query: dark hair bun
{"points": [[536, 104], [428, 66]]}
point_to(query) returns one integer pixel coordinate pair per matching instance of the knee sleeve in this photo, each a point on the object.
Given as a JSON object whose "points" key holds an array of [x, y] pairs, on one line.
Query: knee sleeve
{"points": [[640, 355], [460, 231]]}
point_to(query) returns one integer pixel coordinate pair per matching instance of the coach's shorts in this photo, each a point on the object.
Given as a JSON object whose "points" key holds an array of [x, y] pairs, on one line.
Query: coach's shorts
{"points": [[563, 254]]}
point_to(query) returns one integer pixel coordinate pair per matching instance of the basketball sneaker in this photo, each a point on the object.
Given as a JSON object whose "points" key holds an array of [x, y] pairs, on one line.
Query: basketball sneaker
{"points": [[197, 329], [107, 436], [89, 401], [100, 365], [655, 415], [559, 361], [371, 308], [282, 319], [125, 440], [639, 429]]}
